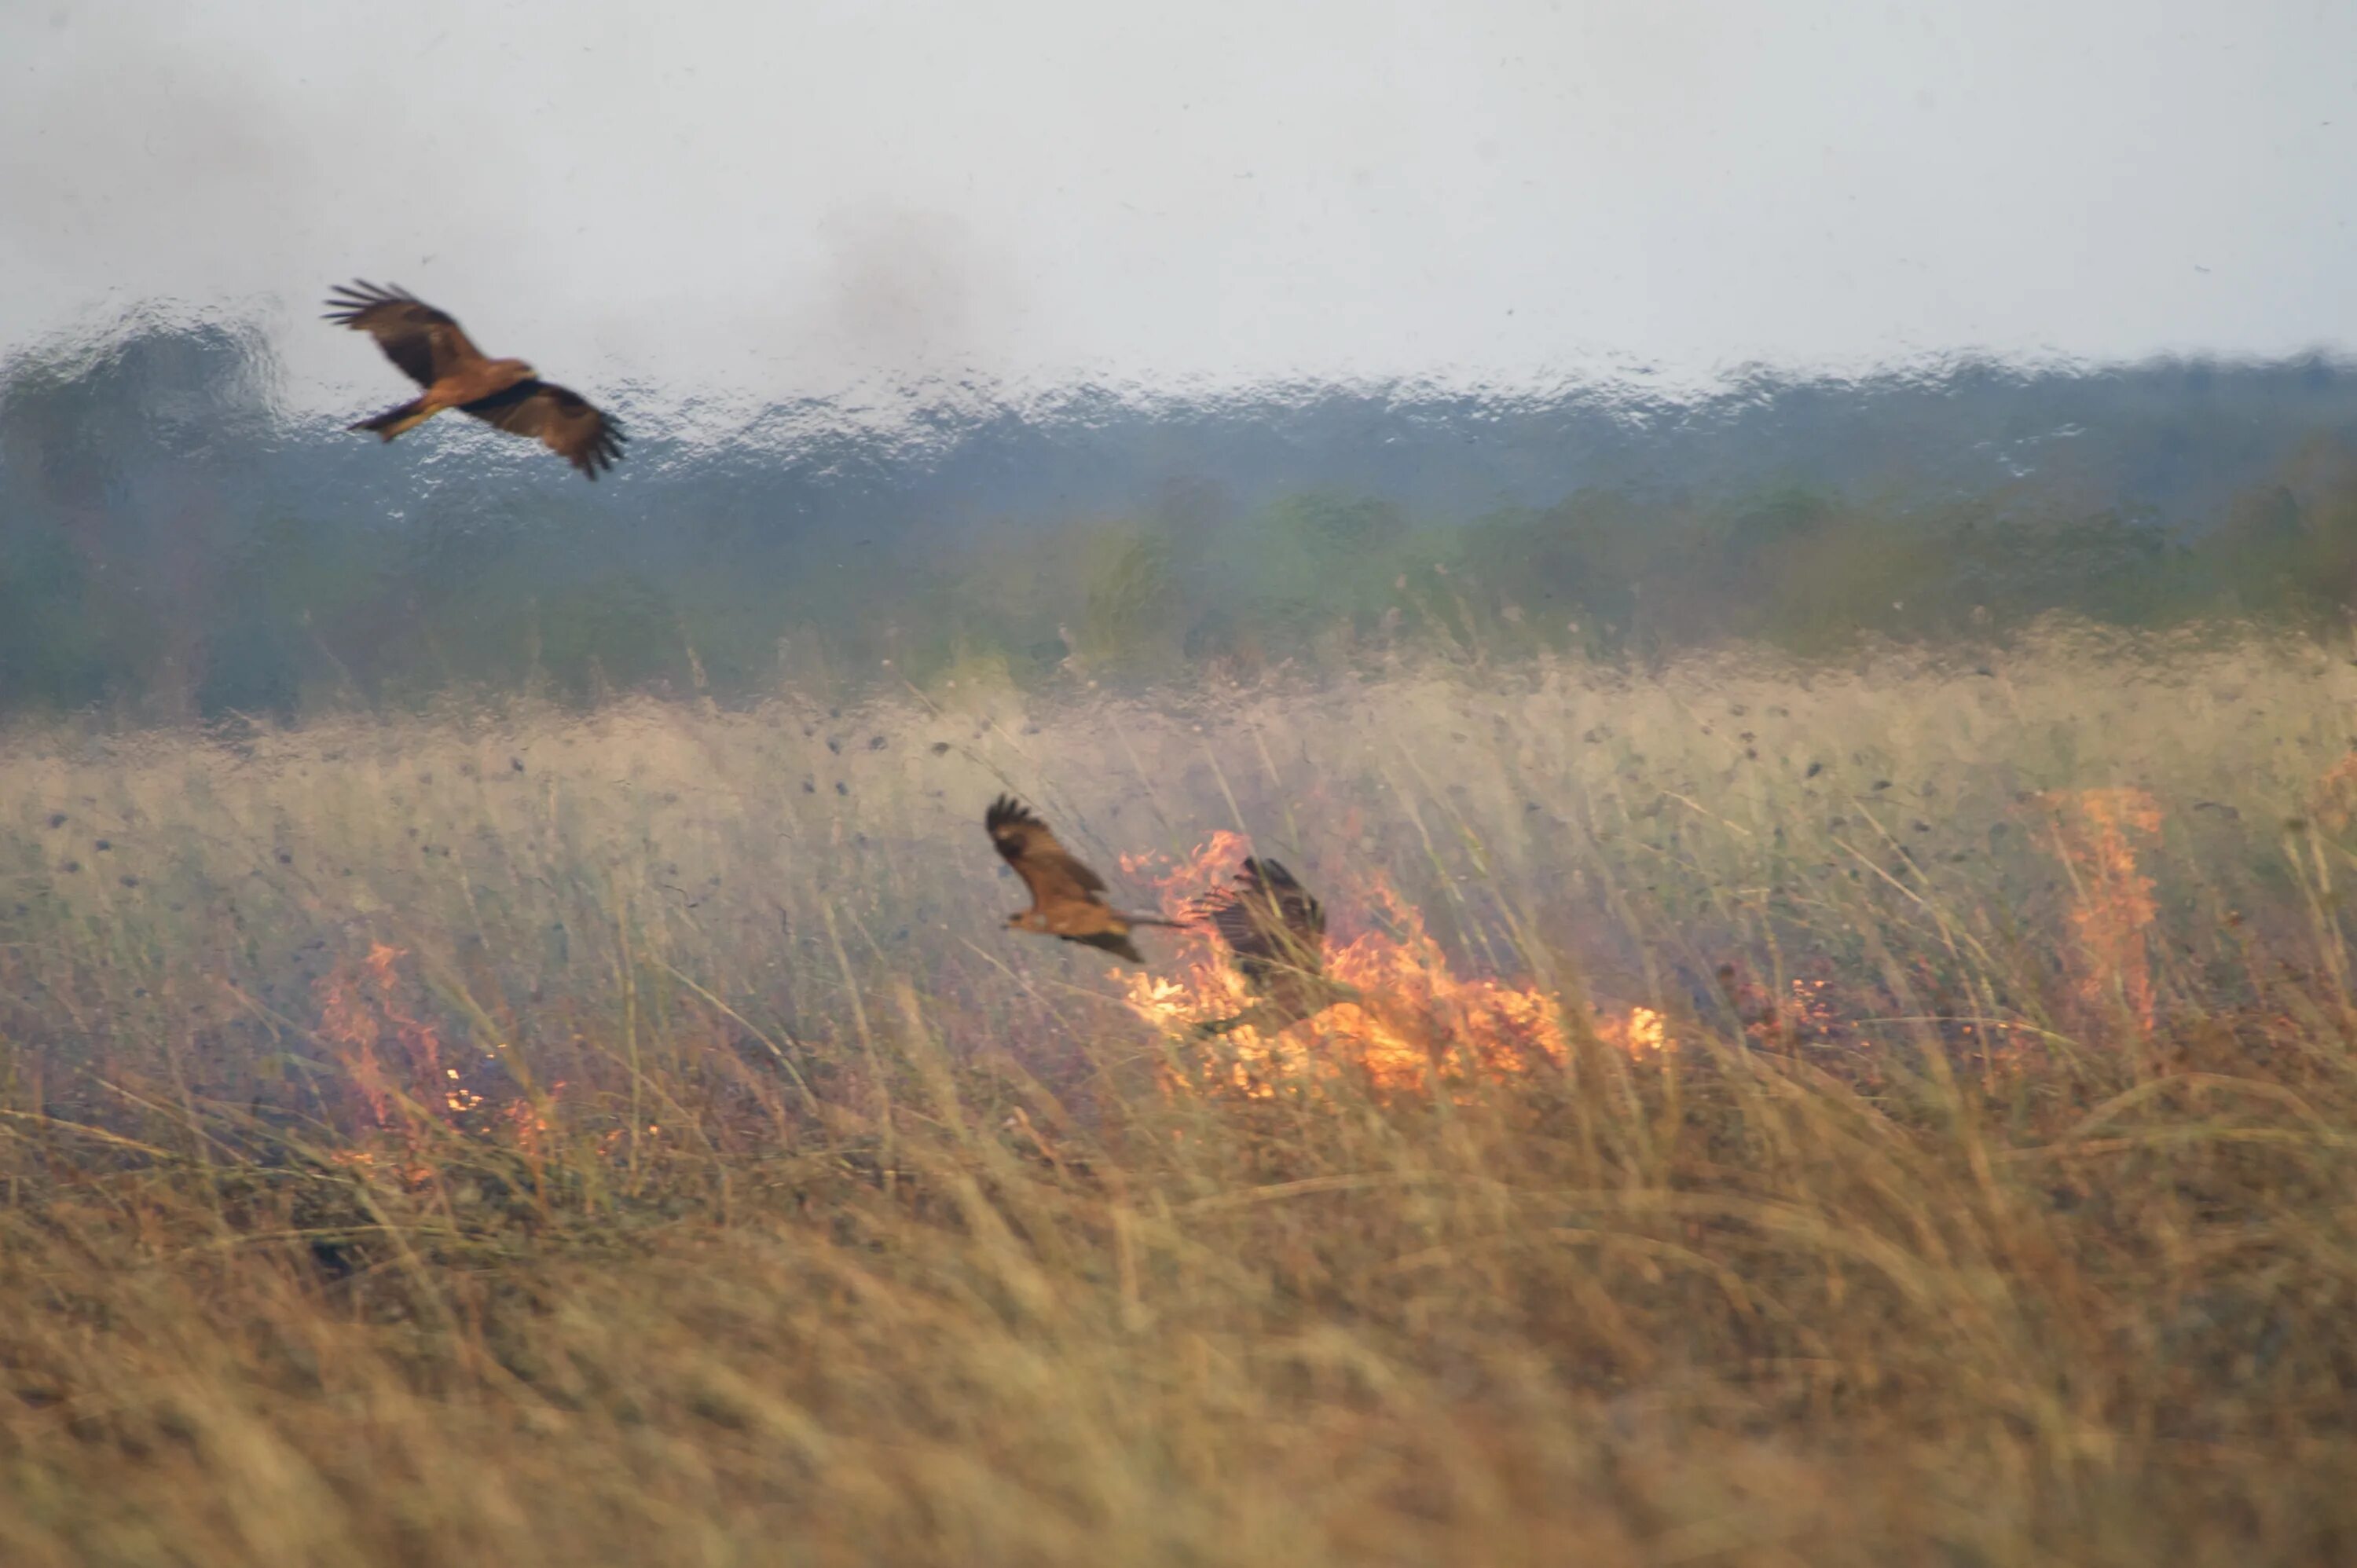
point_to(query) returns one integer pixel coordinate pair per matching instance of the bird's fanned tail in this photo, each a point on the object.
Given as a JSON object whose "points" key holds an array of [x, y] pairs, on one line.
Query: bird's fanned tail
{"points": [[1114, 943], [393, 421]]}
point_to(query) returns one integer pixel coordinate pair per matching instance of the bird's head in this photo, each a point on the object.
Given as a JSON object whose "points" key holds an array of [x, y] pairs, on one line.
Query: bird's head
{"points": [[1027, 920], [518, 366]]}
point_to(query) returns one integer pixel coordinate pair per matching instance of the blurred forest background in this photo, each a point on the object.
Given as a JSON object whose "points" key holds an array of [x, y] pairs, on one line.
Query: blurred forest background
{"points": [[174, 545]]}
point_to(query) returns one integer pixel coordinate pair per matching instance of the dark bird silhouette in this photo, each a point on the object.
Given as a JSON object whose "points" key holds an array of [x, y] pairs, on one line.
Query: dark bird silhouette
{"points": [[1277, 932], [1066, 896], [433, 351]]}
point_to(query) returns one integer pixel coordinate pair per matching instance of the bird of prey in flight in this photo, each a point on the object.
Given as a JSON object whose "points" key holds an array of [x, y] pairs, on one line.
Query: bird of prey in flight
{"points": [[432, 350], [1067, 897], [1277, 932]]}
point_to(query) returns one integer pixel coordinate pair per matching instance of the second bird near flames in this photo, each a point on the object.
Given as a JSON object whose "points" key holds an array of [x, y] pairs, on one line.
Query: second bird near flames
{"points": [[1277, 932]]}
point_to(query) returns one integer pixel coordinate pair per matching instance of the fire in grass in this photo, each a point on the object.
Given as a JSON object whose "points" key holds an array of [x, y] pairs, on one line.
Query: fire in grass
{"points": [[2096, 835], [1418, 1024], [410, 1086]]}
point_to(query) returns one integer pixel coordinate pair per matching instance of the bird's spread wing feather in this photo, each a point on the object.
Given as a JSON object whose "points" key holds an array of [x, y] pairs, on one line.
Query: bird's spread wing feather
{"points": [[1045, 866], [1269, 921], [427, 343], [568, 424]]}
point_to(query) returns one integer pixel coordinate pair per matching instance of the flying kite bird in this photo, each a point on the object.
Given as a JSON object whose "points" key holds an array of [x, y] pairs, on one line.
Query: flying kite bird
{"points": [[1066, 896], [432, 350], [1277, 932]]}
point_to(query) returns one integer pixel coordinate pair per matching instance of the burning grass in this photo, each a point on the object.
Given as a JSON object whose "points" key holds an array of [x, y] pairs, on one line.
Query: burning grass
{"points": [[1420, 1027], [1896, 1117]]}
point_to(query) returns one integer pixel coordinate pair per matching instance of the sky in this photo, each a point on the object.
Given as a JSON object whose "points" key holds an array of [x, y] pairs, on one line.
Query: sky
{"points": [[830, 199]]}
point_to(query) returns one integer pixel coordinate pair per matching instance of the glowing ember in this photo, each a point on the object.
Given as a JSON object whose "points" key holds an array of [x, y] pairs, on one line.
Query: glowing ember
{"points": [[411, 1174], [1805, 1012], [527, 1125]]}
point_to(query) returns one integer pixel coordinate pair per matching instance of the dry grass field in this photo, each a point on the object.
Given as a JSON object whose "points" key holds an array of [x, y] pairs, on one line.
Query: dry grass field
{"points": [[1890, 1114]]}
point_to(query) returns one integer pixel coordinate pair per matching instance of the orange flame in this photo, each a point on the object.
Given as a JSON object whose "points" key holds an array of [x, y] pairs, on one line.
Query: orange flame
{"points": [[360, 1010], [1419, 1026], [2112, 904], [1643, 1031]]}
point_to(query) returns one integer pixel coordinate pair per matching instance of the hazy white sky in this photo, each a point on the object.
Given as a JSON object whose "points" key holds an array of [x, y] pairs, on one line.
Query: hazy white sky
{"points": [[783, 198]]}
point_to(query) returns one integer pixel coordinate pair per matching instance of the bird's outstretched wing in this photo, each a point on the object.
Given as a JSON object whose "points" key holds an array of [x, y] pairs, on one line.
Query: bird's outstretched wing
{"points": [[427, 343], [1270, 922], [1047, 867], [566, 423]]}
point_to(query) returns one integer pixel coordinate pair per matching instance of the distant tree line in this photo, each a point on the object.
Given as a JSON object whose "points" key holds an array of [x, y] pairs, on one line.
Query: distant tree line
{"points": [[170, 548]]}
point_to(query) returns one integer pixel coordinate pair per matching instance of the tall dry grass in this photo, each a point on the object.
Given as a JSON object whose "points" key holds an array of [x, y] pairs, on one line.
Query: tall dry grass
{"points": [[523, 1138]]}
